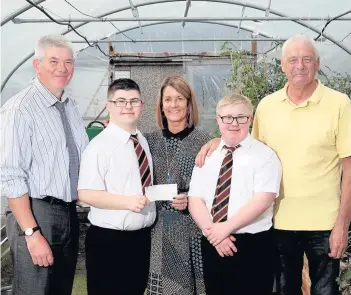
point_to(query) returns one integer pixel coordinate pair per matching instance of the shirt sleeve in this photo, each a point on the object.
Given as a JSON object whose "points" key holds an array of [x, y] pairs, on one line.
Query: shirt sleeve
{"points": [[267, 175], [93, 169], [196, 187], [343, 136], [16, 152]]}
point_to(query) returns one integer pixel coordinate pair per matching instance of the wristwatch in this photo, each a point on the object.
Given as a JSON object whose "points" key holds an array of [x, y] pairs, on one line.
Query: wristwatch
{"points": [[30, 231]]}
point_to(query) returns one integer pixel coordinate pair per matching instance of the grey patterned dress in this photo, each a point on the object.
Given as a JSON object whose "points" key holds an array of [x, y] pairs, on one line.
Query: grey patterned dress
{"points": [[176, 262]]}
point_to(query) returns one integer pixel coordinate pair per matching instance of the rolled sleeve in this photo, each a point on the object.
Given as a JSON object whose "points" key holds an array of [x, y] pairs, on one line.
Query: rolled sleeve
{"points": [[343, 136], [16, 153], [268, 175], [93, 169]]}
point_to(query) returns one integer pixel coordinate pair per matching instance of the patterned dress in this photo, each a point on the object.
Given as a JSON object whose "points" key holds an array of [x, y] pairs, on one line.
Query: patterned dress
{"points": [[176, 262]]}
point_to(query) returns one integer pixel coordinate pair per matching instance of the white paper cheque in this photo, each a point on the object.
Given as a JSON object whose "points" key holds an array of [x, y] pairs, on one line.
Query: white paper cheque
{"points": [[161, 192]]}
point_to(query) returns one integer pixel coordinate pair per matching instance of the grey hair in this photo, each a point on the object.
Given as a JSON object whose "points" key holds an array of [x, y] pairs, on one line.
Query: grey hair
{"points": [[48, 41], [301, 39]]}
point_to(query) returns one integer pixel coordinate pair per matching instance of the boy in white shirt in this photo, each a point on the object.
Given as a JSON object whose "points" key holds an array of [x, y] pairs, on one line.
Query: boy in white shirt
{"points": [[231, 199], [115, 169]]}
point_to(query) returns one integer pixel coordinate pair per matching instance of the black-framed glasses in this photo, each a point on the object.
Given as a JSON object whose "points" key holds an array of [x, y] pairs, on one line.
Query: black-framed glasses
{"points": [[124, 102], [230, 119]]}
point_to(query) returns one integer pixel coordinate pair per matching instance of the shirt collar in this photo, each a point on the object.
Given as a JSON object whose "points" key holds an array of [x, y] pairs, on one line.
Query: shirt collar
{"points": [[245, 144], [48, 98], [121, 134], [314, 98]]}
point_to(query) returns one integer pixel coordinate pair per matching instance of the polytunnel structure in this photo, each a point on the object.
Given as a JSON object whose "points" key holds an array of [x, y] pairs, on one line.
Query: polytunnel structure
{"points": [[204, 41], [161, 26]]}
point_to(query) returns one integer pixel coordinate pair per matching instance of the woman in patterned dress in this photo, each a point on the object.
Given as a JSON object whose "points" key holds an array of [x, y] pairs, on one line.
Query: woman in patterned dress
{"points": [[176, 262]]}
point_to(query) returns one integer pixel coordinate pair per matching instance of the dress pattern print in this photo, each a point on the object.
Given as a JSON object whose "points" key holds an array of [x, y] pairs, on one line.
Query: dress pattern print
{"points": [[176, 261]]}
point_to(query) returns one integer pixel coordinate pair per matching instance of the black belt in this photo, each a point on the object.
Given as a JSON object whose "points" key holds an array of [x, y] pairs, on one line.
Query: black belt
{"points": [[55, 201]]}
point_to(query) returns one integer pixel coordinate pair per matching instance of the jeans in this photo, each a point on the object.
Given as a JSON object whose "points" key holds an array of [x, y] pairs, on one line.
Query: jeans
{"points": [[323, 270]]}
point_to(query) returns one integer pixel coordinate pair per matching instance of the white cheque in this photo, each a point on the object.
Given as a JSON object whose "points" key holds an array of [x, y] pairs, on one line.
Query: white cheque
{"points": [[161, 192]]}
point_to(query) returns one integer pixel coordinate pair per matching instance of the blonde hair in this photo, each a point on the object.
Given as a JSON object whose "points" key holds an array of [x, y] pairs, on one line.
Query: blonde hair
{"points": [[232, 100], [180, 85]]}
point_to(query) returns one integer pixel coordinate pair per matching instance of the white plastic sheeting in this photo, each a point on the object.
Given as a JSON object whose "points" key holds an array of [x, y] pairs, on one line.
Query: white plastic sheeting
{"points": [[18, 40]]}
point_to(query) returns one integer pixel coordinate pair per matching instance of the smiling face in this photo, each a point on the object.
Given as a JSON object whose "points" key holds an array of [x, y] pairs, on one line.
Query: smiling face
{"points": [[174, 106], [125, 116], [234, 133], [300, 63], [55, 69]]}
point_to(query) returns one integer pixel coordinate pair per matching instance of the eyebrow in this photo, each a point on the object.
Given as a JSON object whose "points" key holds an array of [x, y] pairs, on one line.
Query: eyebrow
{"points": [[55, 58], [122, 98]]}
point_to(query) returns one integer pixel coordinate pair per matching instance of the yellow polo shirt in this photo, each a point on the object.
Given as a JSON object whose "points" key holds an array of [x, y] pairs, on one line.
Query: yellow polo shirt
{"points": [[309, 139]]}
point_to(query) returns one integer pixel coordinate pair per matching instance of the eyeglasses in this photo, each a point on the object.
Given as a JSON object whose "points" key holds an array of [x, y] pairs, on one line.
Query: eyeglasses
{"points": [[230, 119], [123, 102]]}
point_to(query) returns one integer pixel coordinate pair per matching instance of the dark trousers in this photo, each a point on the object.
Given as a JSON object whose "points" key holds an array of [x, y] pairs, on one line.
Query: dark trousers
{"points": [[59, 225], [323, 270], [117, 262], [249, 272]]}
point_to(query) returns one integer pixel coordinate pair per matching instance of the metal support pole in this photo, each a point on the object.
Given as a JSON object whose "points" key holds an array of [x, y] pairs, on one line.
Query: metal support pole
{"points": [[182, 40], [177, 19]]}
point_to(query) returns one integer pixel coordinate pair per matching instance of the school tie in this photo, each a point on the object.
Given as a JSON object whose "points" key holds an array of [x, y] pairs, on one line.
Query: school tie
{"points": [[144, 168], [73, 166], [219, 209]]}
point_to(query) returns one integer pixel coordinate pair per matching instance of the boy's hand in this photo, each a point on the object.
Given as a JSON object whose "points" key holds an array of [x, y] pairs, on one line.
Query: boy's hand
{"points": [[227, 247], [217, 232], [136, 203]]}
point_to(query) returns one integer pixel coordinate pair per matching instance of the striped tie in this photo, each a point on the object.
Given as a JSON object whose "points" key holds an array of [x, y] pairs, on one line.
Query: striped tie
{"points": [[144, 168], [220, 203]]}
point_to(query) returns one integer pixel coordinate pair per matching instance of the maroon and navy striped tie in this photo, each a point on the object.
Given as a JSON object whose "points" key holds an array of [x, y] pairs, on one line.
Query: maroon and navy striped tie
{"points": [[144, 168], [219, 209]]}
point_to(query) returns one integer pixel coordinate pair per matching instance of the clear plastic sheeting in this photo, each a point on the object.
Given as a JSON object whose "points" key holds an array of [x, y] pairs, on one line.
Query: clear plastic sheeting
{"points": [[20, 30], [208, 80]]}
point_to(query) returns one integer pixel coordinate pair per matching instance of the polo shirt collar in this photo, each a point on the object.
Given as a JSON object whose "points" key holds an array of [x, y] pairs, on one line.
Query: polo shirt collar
{"points": [[48, 97], [121, 134], [245, 144], [314, 98]]}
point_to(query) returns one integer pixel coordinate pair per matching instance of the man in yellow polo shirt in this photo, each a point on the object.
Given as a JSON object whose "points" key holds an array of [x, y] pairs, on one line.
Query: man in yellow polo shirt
{"points": [[308, 125]]}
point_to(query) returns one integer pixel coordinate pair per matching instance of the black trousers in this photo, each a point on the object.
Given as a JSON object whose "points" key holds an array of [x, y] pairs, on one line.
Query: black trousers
{"points": [[323, 270], [249, 272], [59, 225], [117, 262]]}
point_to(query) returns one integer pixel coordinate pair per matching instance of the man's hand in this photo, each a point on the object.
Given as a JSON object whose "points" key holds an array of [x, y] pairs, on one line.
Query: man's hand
{"points": [[338, 241], [217, 232], [206, 150], [180, 202], [40, 250], [227, 247], [136, 203]]}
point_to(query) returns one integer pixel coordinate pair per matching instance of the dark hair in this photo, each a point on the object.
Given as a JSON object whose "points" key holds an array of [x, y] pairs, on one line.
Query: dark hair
{"points": [[122, 84]]}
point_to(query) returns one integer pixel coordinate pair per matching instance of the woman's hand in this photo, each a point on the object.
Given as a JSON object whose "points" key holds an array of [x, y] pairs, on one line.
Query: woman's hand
{"points": [[180, 202]]}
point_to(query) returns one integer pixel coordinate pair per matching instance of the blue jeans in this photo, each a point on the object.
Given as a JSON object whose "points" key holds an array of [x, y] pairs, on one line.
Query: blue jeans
{"points": [[323, 270]]}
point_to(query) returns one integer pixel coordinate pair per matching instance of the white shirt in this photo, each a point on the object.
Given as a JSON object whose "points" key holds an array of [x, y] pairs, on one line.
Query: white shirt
{"points": [[109, 163], [256, 168]]}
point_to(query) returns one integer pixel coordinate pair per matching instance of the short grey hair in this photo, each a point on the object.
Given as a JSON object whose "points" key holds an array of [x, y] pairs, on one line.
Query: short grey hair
{"points": [[48, 41], [301, 39]]}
